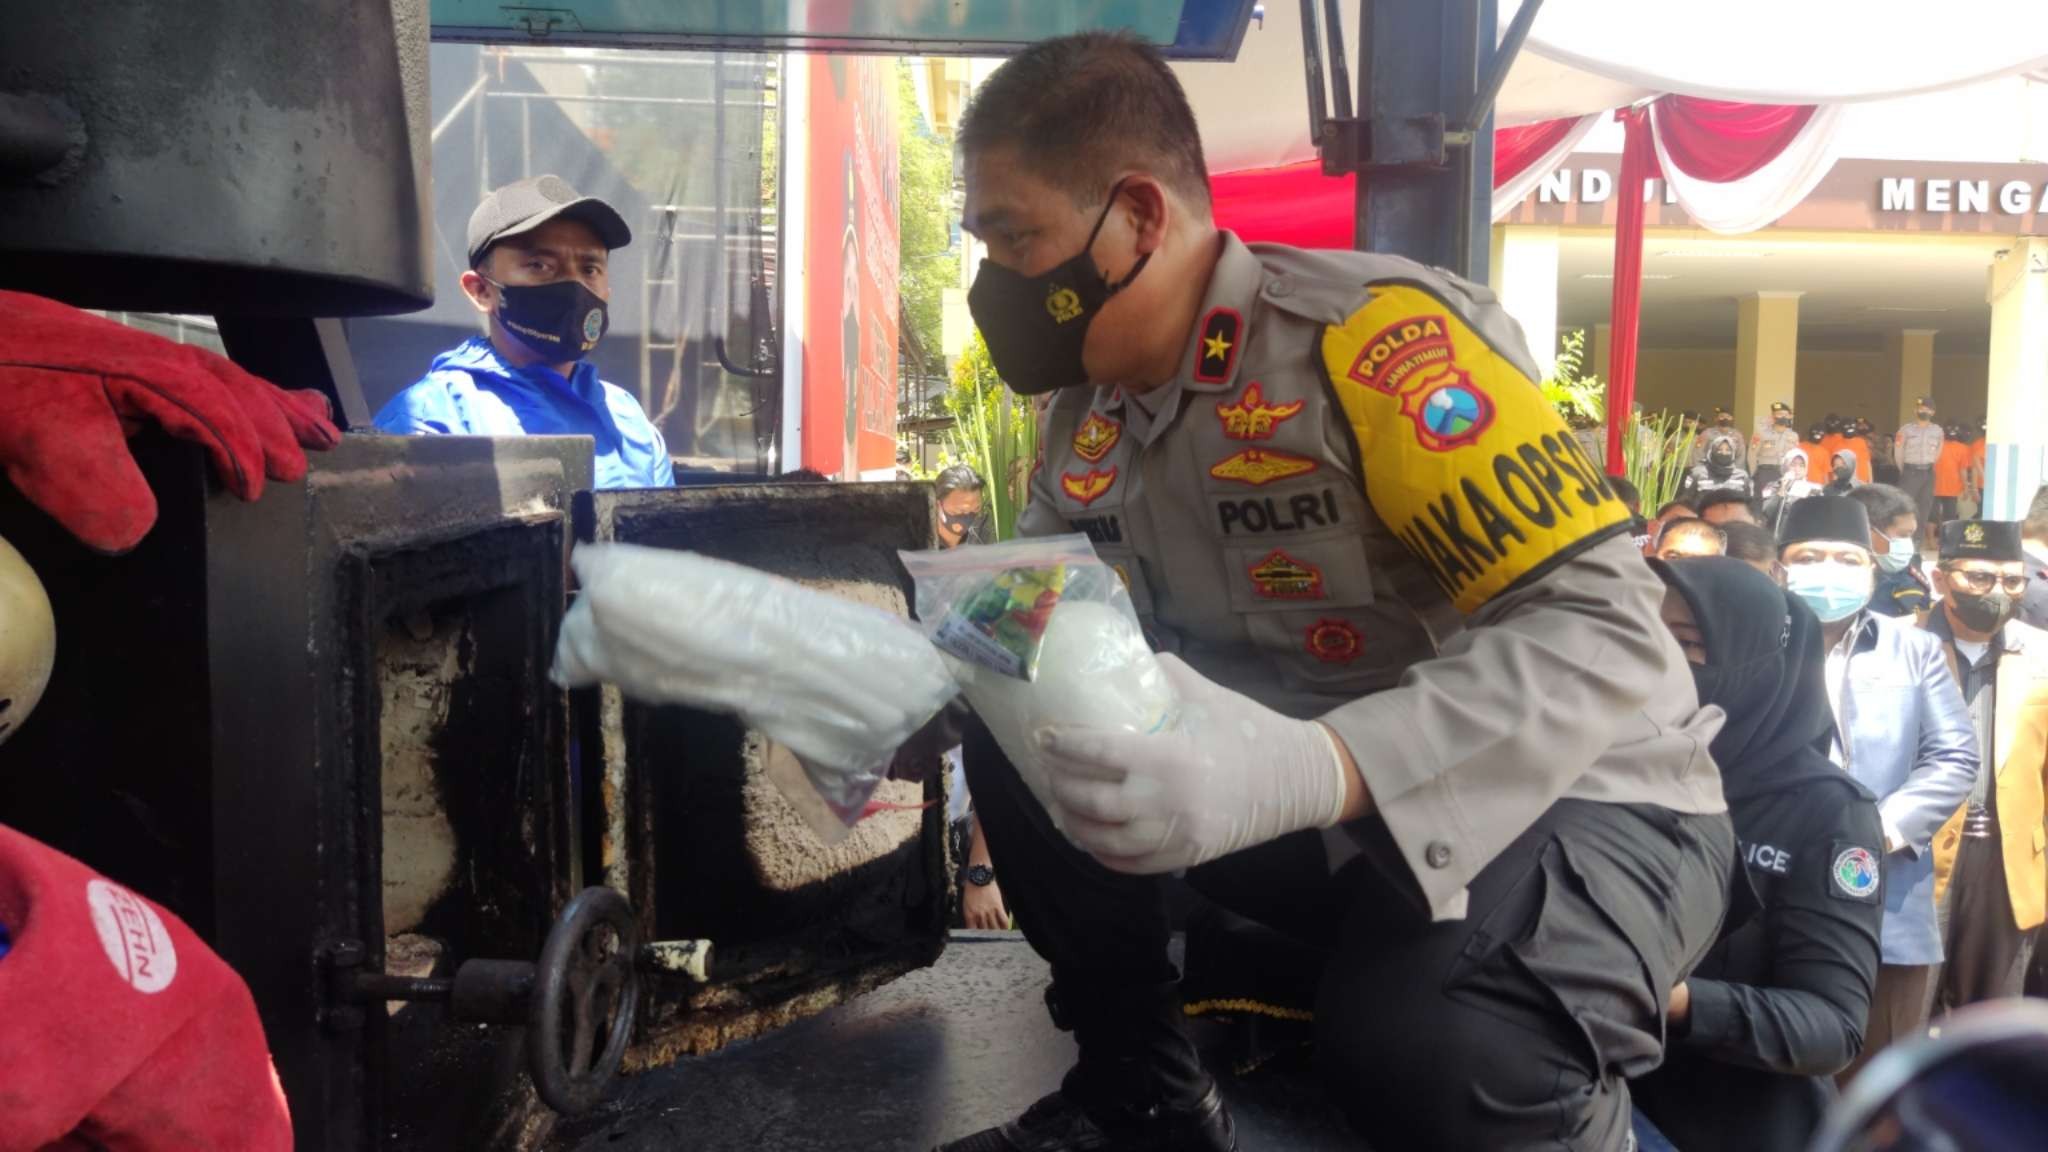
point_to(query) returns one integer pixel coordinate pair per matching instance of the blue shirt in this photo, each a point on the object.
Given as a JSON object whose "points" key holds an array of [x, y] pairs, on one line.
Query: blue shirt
{"points": [[471, 391]]}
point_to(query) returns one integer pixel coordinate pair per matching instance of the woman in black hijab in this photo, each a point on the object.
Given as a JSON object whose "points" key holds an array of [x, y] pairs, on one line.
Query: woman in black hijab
{"points": [[1779, 1003]]}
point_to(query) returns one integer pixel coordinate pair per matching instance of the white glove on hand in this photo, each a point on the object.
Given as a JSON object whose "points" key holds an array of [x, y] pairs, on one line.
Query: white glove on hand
{"points": [[1234, 774]]}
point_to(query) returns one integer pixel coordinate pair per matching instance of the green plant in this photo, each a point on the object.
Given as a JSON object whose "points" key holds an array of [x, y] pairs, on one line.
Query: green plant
{"points": [[995, 431], [1579, 398], [1655, 452]]}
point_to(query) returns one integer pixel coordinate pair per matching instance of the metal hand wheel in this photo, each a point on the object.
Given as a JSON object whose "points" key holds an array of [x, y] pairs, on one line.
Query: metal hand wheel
{"points": [[585, 995]]}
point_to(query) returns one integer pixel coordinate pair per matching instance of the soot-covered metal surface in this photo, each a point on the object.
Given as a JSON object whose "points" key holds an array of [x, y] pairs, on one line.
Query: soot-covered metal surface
{"points": [[692, 828], [936, 1055], [231, 708]]}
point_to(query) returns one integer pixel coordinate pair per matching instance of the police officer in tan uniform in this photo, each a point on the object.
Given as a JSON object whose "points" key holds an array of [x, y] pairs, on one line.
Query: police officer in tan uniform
{"points": [[1768, 447], [1431, 722]]}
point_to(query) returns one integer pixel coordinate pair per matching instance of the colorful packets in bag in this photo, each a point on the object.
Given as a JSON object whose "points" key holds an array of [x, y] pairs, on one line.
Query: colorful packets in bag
{"points": [[1000, 624]]}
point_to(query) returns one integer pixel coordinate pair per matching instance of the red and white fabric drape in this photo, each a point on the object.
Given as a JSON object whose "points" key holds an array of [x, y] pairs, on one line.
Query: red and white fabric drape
{"points": [[1737, 167], [1526, 153]]}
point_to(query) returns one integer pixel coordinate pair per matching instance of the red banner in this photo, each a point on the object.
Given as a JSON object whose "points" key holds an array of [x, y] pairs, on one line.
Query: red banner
{"points": [[850, 293]]}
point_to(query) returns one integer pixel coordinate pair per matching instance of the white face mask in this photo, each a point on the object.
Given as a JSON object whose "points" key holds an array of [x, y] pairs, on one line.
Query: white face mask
{"points": [[1897, 555], [1834, 590]]}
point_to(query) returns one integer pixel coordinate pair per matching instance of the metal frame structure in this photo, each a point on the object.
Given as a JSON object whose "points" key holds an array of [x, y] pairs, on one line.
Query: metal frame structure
{"points": [[1421, 140]]}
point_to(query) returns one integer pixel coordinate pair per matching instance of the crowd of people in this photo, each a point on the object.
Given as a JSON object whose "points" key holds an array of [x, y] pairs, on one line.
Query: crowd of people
{"points": [[1883, 758]]}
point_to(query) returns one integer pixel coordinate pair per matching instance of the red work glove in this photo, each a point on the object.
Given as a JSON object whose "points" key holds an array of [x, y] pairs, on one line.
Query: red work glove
{"points": [[118, 1028], [72, 385]]}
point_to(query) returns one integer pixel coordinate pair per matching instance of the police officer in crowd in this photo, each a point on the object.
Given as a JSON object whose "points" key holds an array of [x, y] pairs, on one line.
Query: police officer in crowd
{"points": [[1779, 1003], [539, 259], [1918, 449], [1900, 730], [1722, 424], [1721, 472], [1902, 588], [1431, 724], [1768, 447], [1987, 857]]}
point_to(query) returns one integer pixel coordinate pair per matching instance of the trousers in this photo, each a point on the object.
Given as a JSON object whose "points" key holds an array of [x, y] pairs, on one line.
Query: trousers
{"points": [[1917, 481], [1898, 1011], [1986, 955], [1516, 1027]]}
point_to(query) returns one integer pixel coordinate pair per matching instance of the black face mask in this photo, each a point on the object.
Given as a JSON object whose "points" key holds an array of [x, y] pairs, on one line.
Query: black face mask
{"points": [[1783, 421], [1721, 459], [1725, 422], [561, 321], [1923, 416], [1986, 613], [1035, 326]]}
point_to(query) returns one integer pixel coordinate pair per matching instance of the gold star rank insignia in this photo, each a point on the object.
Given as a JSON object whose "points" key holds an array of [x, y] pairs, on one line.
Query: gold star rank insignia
{"points": [[1216, 354]]}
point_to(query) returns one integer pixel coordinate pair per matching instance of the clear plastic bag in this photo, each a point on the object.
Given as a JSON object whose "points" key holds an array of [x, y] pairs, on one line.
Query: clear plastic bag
{"points": [[1041, 631], [842, 685]]}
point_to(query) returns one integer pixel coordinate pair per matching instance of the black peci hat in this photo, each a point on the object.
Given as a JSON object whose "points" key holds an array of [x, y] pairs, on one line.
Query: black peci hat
{"points": [[1995, 540], [1837, 519]]}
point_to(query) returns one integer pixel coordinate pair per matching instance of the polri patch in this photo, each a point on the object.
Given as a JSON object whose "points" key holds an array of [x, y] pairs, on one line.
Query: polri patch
{"points": [[1282, 577], [1088, 487], [1251, 418], [1259, 468], [1096, 436], [1854, 872], [1221, 332]]}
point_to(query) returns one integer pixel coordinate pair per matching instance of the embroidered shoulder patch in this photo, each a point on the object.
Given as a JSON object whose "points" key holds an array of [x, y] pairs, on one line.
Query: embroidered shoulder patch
{"points": [[1854, 872], [1462, 456]]}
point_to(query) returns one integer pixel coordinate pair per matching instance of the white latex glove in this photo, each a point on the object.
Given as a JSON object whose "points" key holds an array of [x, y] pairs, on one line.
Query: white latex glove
{"points": [[1233, 774]]}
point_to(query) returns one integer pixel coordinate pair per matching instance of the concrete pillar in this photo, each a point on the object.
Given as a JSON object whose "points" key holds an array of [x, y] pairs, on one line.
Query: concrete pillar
{"points": [[1525, 278], [2016, 448], [1909, 356], [1766, 354], [1597, 356]]}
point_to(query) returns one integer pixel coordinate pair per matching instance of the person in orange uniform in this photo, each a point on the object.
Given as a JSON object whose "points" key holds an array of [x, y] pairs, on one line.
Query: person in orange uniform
{"points": [[1856, 438], [1819, 457], [1837, 429], [1951, 472]]}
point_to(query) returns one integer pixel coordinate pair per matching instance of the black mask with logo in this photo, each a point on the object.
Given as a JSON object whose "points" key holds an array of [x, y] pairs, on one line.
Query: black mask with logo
{"points": [[561, 321], [1036, 326], [1983, 613]]}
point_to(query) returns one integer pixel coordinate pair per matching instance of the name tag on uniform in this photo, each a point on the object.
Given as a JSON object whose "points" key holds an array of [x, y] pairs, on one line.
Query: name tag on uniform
{"points": [[1310, 511]]}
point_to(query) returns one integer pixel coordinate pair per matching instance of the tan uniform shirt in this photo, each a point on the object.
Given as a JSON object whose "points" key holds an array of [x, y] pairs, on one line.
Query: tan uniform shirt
{"points": [[1767, 449], [1919, 445], [1352, 504]]}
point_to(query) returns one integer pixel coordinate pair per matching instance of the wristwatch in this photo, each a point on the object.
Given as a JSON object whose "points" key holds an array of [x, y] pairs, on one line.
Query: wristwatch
{"points": [[980, 875]]}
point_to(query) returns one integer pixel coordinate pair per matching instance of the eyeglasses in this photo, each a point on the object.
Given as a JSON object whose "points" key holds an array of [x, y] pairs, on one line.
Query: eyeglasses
{"points": [[1979, 582]]}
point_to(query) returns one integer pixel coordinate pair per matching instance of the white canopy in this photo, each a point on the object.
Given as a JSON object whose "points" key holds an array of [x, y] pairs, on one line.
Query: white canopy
{"points": [[1589, 55]]}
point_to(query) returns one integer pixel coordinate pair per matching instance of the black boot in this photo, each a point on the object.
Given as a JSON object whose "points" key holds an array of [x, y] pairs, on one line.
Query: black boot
{"points": [[1059, 1124], [1137, 1087]]}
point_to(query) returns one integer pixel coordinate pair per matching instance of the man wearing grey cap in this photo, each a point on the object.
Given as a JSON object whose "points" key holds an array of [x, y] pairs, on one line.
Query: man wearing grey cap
{"points": [[538, 255]]}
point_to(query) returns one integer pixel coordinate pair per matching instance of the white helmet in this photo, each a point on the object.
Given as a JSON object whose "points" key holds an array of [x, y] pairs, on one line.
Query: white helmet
{"points": [[28, 640]]}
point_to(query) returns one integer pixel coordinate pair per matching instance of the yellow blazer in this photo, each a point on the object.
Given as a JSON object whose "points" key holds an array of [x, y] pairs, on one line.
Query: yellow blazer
{"points": [[2019, 748]]}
